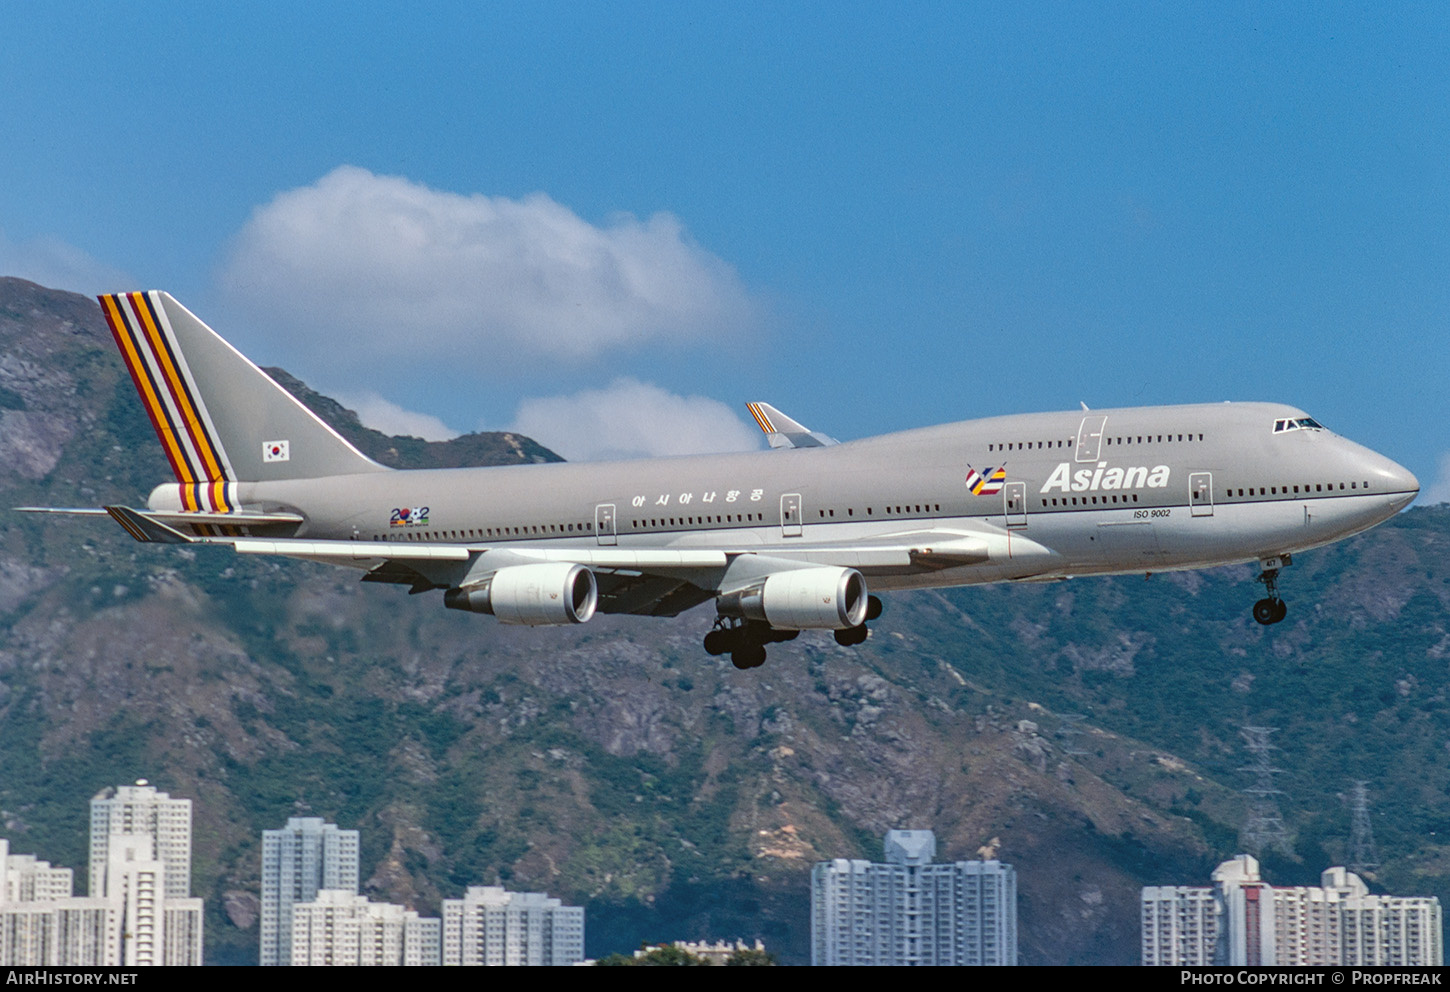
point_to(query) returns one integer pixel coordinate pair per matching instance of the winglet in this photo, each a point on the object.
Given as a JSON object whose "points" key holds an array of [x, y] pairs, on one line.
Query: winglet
{"points": [[783, 432], [144, 529]]}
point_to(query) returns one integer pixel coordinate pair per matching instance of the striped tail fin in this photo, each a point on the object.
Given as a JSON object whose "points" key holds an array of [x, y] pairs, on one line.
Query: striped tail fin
{"points": [[220, 419]]}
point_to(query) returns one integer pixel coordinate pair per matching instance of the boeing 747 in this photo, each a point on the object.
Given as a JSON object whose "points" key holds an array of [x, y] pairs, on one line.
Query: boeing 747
{"points": [[782, 541]]}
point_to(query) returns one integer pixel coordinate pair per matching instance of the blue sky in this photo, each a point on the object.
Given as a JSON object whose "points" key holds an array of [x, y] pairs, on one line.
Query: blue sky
{"points": [[612, 224]]}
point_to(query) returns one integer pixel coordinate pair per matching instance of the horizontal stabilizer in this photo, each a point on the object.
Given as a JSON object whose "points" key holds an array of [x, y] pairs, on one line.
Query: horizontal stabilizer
{"points": [[241, 518], [68, 511], [145, 529], [180, 518]]}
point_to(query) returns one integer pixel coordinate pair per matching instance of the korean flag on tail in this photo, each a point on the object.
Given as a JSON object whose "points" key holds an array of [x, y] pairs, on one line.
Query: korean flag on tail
{"points": [[275, 451]]}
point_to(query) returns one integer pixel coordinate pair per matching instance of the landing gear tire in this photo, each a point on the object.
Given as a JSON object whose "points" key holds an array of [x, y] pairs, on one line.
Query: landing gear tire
{"points": [[717, 642], [749, 655], [873, 608], [1272, 609], [851, 636], [1269, 611]]}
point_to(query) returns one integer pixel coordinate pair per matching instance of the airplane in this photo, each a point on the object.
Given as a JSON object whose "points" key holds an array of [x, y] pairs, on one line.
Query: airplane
{"points": [[784, 540]]}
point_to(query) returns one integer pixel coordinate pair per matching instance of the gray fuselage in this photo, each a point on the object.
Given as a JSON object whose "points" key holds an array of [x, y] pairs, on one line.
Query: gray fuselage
{"points": [[1088, 492]]}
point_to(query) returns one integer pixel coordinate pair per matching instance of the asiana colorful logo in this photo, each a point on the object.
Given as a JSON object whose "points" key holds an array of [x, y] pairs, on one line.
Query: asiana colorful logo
{"points": [[986, 485]]}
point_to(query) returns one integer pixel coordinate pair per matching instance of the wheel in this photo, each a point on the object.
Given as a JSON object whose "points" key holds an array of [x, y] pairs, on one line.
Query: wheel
{"points": [[873, 608], [717, 642], [1268, 611], [748, 656], [851, 636]]}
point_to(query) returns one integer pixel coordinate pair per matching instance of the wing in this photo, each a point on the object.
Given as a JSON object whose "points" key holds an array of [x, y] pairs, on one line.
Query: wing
{"points": [[649, 582]]}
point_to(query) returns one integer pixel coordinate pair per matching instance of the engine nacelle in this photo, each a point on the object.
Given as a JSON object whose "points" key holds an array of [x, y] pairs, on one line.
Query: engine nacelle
{"points": [[825, 598], [537, 595]]}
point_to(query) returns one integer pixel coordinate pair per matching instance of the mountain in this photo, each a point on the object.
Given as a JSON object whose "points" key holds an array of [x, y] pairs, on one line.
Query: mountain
{"points": [[1086, 732]]}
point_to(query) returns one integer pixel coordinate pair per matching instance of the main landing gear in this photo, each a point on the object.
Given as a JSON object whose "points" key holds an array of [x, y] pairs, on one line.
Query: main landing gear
{"points": [[745, 640], [851, 636], [1272, 609]]}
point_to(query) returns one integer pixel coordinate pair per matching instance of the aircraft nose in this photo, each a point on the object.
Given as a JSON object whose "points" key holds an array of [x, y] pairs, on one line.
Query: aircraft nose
{"points": [[1404, 482], [1400, 483]]}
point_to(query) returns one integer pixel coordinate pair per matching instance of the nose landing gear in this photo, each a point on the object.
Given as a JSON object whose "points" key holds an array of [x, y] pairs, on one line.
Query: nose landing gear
{"points": [[1272, 609]]}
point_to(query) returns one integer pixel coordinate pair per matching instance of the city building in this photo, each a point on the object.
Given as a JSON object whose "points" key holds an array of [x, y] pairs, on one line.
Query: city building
{"points": [[422, 940], [23, 878], [341, 928], [1180, 924], [911, 911], [42, 923], [491, 926], [140, 809], [137, 912], [156, 928], [1242, 920], [302, 859]]}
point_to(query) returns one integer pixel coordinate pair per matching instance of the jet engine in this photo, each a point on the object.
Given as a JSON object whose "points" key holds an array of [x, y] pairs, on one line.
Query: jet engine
{"points": [[825, 598], [537, 595]]}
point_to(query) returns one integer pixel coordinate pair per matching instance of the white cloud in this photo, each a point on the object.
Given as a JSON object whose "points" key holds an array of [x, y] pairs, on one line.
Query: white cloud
{"points": [[386, 416], [630, 419], [1439, 490], [53, 263], [379, 268]]}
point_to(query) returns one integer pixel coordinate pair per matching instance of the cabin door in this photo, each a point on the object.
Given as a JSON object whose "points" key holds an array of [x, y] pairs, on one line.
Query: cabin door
{"points": [[1014, 503], [1200, 494], [790, 515], [1090, 439], [604, 523]]}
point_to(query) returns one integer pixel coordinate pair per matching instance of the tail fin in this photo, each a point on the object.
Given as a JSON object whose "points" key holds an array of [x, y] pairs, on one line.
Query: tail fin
{"points": [[219, 417]]}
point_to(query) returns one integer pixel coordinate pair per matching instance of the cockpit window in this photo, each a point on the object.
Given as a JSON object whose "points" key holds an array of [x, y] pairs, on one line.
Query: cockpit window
{"points": [[1297, 424]]}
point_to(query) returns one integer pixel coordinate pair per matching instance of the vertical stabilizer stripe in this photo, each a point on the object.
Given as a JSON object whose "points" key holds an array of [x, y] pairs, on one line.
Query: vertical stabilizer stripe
{"points": [[171, 363], [215, 456], [133, 313], [761, 420], [145, 387]]}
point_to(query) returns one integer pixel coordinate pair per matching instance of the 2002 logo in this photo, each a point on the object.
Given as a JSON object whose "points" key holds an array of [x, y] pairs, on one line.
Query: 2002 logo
{"points": [[409, 516]]}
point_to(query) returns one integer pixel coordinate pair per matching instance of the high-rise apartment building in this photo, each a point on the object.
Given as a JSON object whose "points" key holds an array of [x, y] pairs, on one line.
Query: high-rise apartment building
{"points": [[1180, 925], [1242, 920], [134, 915], [911, 911], [491, 926], [140, 809], [35, 899], [23, 878], [302, 859], [340, 928], [156, 928]]}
